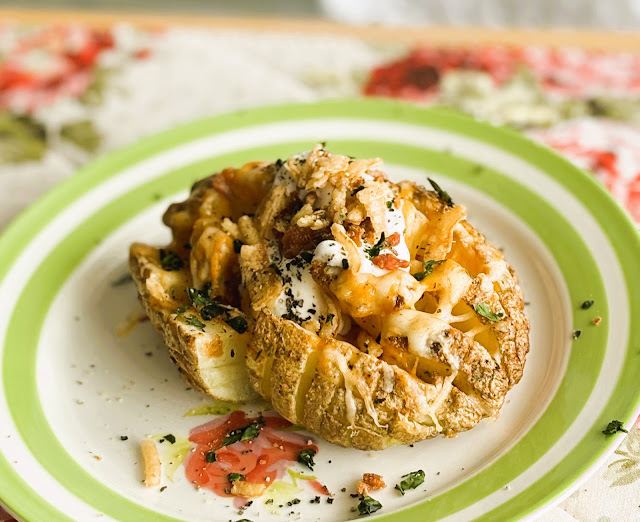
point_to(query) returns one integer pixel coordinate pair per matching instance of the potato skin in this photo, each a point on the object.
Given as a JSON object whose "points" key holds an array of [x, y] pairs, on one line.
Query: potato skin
{"points": [[285, 349], [202, 357]]}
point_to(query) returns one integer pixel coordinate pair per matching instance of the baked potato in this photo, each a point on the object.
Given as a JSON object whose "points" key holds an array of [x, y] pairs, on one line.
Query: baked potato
{"points": [[376, 314]]}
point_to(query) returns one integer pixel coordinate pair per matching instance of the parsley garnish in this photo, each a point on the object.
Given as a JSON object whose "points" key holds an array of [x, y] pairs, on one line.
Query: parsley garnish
{"points": [[190, 319], [442, 194], [330, 318], [428, 268], [171, 438], [374, 251], [238, 323], [411, 481], [390, 204], [198, 297], [232, 477], [576, 333], [251, 431], [368, 505], [586, 305], [210, 456], [345, 264], [212, 310], [613, 427], [305, 457], [170, 261], [484, 310]]}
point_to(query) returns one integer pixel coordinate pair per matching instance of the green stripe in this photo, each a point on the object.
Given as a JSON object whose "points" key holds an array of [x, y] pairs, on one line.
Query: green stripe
{"points": [[119, 211]]}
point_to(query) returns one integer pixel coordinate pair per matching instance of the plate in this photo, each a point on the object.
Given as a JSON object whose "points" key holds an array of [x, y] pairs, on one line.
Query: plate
{"points": [[73, 387]]}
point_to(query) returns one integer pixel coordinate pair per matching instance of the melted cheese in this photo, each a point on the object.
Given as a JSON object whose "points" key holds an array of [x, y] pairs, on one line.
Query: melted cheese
{"points": [[422, 331]]}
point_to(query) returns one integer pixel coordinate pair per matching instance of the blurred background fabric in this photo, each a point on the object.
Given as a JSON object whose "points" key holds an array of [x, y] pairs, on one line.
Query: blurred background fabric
{"points": [[621, 15]]}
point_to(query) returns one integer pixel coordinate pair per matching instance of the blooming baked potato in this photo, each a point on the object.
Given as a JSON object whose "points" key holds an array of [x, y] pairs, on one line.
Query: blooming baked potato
{"points": [[376, 314]]}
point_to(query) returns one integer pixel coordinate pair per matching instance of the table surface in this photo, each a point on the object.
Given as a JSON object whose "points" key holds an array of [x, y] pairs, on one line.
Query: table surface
{"points": [[103, 80]]}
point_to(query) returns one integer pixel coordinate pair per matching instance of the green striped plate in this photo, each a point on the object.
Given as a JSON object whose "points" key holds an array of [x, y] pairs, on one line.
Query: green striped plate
{"points": [[72, 386]]}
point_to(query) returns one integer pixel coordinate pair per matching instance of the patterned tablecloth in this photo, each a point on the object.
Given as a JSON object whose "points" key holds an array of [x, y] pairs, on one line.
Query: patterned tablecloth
{"points": [[69, 94]]}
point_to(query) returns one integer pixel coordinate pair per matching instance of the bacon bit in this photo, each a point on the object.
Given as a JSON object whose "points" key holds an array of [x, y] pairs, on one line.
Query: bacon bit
{"points": [[596, 321], [370, 482], [297, 239], [389, 262], [393, 239], [355, 233], [221, 182]]}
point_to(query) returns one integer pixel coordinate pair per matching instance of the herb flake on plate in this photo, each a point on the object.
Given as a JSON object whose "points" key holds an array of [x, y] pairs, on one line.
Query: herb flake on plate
{"points": [[368, 505], [410, 481], [305, 457], [614, 427]]}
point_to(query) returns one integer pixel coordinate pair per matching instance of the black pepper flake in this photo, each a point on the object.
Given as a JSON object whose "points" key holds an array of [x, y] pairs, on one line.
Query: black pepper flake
{"points": [[587, 304], [344, 490], [163, 488], [345, 264], [576, 334], [329, 500], [124, 437], [237, 245], [233, 352]]}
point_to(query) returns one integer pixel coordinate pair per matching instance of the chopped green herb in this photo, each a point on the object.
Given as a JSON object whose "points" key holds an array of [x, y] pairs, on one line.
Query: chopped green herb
{"points": [[442, 194], [293, 502], [170, 260], [345, 264], [171, 438], [238, 323], [368, 505], [390, 204], [237, 245], [375, 250], [232, 477], [194, 321], [410, 481], [576, 333], [210, 456], [305, 457], [330, 318], [586, 305], [613, 427], [484, 310], [250, 431], [212, 310], [198, 297], [181, 310], [428, 268]]}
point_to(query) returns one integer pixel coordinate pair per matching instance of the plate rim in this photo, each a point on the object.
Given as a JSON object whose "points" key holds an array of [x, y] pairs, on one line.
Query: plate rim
{"points": [[66, 192]]}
